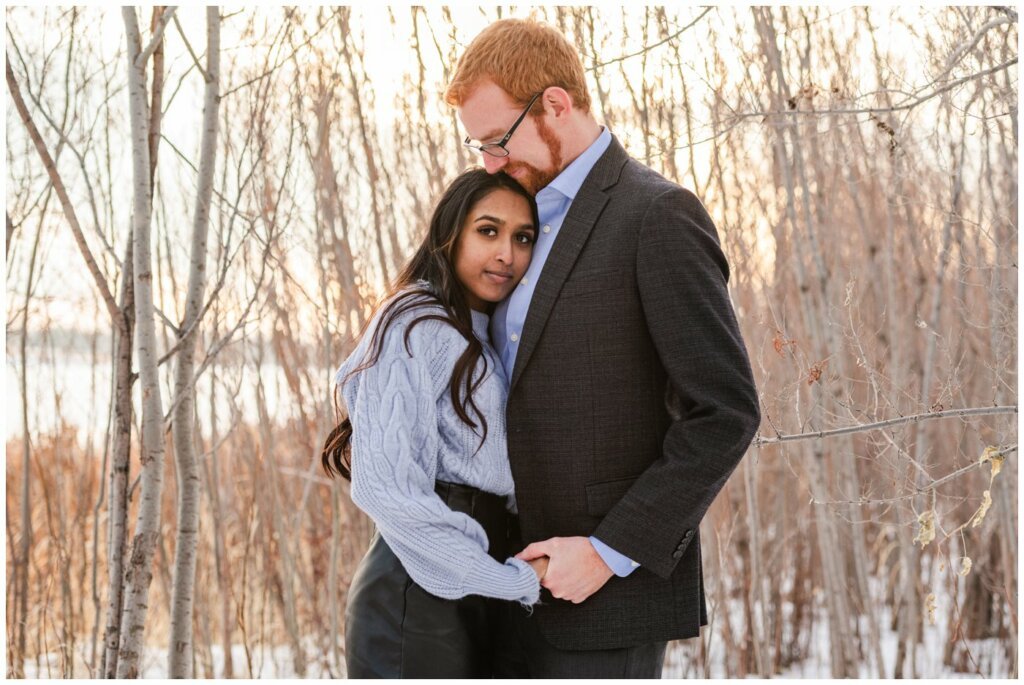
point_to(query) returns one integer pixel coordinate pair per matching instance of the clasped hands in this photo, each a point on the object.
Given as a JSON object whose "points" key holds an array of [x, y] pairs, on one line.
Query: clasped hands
{"points": [[570, 568]]}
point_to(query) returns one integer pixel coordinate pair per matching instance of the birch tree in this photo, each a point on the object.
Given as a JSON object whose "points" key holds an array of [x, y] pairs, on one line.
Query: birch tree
{"points": [[180, 659], [139, 572], [825, 144]]}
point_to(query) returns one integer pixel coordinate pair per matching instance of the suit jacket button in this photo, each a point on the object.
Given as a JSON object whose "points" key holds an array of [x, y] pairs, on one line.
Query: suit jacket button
{"points": [[677, 554], [688, 535]]}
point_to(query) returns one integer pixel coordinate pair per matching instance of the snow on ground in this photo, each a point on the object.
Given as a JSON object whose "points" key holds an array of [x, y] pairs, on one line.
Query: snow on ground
{"points": [[277, 662]]}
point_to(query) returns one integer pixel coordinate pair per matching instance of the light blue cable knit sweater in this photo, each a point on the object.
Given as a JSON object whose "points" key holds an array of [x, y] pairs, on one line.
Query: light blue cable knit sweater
{"points": [[406, 435]]}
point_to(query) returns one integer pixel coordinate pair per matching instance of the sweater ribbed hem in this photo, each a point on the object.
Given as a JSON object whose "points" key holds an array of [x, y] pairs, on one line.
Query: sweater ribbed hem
{"points": [[515, 580]]}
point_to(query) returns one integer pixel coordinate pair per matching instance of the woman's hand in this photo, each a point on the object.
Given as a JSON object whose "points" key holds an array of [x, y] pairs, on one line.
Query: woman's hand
{"points": [[540, 566]]}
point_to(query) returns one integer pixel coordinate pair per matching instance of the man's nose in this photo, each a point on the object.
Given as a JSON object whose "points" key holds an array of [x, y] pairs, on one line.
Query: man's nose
{"points": [[494, 164]]}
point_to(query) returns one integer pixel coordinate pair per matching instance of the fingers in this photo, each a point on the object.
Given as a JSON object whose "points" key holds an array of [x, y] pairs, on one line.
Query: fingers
{"points": [[576, 595], [530, 553], [534, 550]]}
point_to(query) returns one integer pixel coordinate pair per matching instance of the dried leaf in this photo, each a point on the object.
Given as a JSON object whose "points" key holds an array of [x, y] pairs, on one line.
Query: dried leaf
{"points": [[965, 566], [997, 464], [929, 604], [926, 533], [780, 341], [992, 454], [986, 502], [815, 373]]}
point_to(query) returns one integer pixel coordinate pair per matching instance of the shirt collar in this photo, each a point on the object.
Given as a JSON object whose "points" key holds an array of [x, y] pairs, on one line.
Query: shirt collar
{"points": [[569, 181]]}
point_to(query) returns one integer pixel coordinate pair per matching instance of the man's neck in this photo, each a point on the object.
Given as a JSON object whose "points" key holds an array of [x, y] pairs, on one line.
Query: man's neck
{"points": [[582, 138]]}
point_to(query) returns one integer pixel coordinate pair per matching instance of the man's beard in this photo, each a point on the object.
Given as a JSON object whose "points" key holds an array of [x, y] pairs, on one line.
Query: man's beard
{"points": [[532, 178]]}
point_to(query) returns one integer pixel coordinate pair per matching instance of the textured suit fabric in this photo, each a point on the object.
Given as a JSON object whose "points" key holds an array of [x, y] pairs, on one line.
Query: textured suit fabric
{"points": [[631, 402], [520, 651]]}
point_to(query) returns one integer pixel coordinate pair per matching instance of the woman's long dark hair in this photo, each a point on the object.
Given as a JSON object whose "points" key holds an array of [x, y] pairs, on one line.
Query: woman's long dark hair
{"points": [[433, 262]]}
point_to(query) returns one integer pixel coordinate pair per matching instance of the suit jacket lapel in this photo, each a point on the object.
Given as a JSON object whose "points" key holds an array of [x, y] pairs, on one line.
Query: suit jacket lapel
{"points": [[583, 214]]}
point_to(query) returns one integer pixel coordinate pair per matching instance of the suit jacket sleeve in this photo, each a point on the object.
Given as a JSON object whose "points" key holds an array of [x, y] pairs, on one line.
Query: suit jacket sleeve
{"points": [[682, 276]]}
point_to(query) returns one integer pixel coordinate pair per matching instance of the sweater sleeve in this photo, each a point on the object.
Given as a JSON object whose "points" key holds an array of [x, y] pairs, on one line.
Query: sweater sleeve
{"points": [[395, 443]]}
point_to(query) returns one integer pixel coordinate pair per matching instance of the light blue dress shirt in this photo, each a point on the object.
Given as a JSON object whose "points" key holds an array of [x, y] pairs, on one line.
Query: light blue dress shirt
{"points": [[553, 202]]}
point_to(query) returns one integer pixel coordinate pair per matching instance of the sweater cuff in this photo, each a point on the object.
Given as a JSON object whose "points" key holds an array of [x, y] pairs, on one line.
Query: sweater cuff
{"points": [[515, 580]]}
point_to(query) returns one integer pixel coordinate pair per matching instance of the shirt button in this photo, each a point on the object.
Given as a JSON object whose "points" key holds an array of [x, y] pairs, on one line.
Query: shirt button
{"points": [[525, 281], [514, 337], [547, 228], [634, 564]]}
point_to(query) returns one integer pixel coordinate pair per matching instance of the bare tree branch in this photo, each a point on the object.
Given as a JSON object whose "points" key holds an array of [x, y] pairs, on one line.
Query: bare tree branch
{"points": [[188, 46], [648, 48], [905, 105], [962, 413], [65, 201], [158, 35]]}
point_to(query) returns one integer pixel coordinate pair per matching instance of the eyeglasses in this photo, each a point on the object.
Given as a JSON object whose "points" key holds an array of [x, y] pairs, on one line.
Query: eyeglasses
{"points": [[498, 149]]}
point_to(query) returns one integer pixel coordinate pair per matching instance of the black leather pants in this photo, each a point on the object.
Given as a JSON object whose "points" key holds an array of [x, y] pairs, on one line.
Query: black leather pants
{"points": [[396, 629]]}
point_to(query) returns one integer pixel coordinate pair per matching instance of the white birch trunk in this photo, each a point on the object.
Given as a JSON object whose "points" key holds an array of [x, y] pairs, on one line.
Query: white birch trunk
{"points": [[180, 656], [147, 527], [120, 464]]}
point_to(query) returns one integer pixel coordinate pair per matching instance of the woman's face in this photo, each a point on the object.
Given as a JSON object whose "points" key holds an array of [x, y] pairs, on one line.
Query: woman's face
{"points": [[494, 247]]}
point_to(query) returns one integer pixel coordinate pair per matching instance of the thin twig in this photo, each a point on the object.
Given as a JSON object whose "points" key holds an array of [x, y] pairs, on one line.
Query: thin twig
{"points": [[274, 68], [905, 105], [69, 211], [963, 413], [922, 490], [648, 48], [188, 46]]}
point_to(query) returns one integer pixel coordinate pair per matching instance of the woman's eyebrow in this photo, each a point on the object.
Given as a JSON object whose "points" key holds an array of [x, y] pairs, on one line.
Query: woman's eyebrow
{"points": [[488, 217]]}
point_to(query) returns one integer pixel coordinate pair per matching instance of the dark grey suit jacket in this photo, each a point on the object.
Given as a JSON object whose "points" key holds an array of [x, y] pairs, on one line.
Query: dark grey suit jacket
{"points": [[629, 317]]}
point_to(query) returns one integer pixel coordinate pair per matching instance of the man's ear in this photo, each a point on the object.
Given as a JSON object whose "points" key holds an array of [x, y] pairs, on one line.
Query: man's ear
{"points": [[557, 102]]}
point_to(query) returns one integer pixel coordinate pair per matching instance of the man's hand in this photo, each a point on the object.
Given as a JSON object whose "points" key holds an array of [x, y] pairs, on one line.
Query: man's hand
{"points": [[575, 570]]}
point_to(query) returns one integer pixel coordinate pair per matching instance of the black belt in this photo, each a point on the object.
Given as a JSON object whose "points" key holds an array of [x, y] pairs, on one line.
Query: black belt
{"points": [[487, 509]]}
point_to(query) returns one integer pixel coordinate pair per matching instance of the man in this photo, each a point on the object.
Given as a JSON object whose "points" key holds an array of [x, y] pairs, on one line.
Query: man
{"points": [[624, 310]]}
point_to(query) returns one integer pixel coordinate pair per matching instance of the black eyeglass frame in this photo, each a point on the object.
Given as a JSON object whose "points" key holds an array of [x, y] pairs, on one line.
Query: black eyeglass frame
{"points": [[489, 148]]}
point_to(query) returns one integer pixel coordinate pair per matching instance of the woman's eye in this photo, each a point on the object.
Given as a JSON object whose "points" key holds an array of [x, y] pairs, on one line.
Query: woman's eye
{"points": [[524, 238], [487, 230]]}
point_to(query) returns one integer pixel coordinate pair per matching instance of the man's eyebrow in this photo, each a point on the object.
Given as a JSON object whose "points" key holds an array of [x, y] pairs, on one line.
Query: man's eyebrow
{"points": [[488, 217]]}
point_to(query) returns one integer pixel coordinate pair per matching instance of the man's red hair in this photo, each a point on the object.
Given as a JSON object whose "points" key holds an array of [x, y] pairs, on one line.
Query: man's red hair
{"points": [[522, 57]]}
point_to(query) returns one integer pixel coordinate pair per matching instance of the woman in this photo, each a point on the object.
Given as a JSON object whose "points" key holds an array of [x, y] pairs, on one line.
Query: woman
{"points": [[425, 446]]}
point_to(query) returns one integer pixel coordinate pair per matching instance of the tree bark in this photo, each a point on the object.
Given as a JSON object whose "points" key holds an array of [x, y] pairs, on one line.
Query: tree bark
{"points": [[147, 526], [120, 465], [180, 655]]}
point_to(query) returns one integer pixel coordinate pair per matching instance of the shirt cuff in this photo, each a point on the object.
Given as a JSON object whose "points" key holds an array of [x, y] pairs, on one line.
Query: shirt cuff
{"points": [[620, 564]]}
